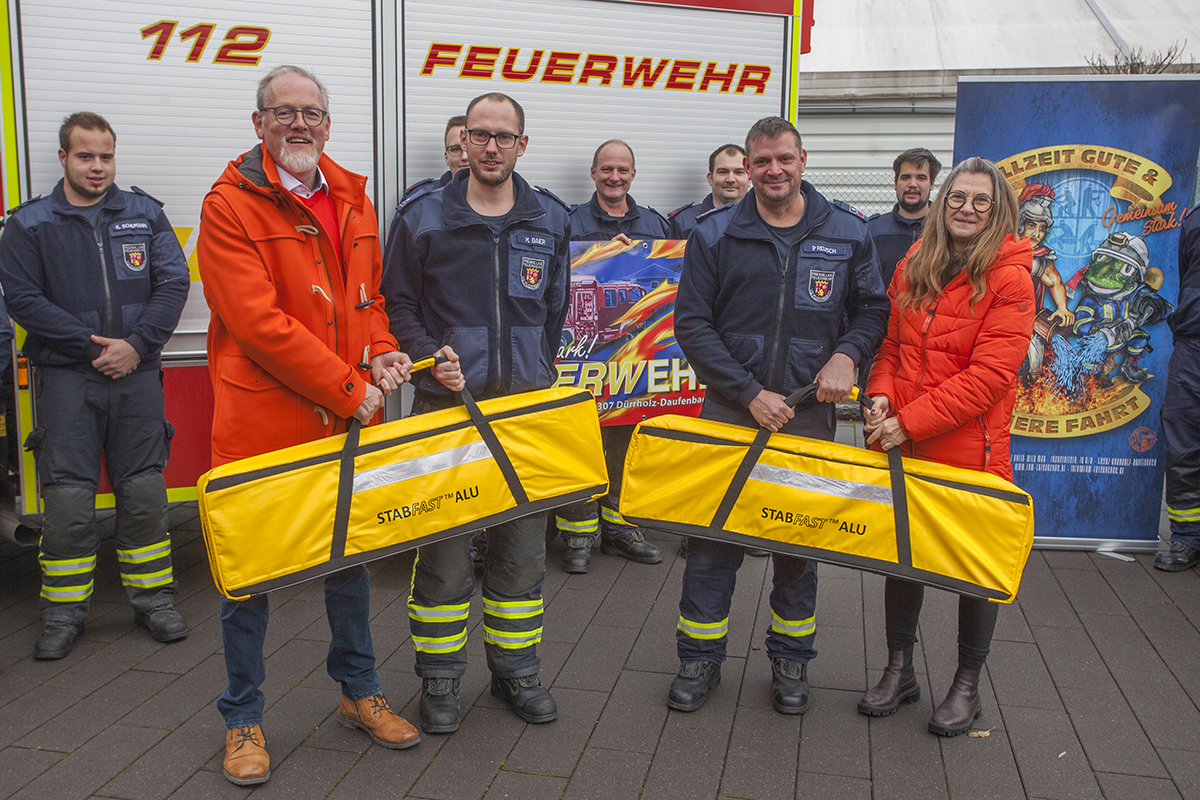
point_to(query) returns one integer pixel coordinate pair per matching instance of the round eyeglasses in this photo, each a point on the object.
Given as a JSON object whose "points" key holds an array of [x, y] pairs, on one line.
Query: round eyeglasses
{"points": [[286, 115], [980, 202]]}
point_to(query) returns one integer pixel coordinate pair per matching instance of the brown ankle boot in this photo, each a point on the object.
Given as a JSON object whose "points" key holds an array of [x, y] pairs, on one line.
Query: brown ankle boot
{"points": [[246, 759], [961, 706], [375, 716], [898, 685]]}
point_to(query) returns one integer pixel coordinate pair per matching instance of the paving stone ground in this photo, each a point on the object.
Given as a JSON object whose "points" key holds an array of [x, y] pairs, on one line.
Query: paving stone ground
{"points": [[1091, 691]]}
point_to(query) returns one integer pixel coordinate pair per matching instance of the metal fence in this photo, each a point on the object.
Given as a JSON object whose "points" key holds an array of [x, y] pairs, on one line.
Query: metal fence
{"points": [[871, 191]]}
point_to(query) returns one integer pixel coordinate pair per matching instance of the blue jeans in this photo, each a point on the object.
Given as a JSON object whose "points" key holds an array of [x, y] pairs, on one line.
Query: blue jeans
{"points": [[351, 660]]}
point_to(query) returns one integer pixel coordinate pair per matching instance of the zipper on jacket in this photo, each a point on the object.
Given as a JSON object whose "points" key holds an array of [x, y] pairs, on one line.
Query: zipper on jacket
{"points": [[500, 382], [770, 376], [108, 304], [924, 340], [987, 443], [503, 383]]}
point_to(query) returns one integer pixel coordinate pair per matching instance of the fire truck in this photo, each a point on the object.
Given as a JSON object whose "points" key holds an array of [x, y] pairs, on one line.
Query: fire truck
{"points": [[674, 78], [594, 308]]}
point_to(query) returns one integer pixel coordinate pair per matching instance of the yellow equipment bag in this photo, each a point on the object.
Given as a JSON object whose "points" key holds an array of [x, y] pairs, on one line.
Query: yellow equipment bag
{"points": [[957, 529], [279, 518]]}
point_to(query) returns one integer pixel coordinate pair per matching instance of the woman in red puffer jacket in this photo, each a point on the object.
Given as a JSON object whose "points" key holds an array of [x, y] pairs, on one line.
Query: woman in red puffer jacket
{"points": [[943, 386]]}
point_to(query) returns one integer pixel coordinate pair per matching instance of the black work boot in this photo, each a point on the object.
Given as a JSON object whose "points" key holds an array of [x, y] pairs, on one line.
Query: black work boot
{"points": [[1177, 557], [789, 686], [632, 546], [961, 706], [439, 705], [164, 623], [528, 698], [898, 685], [56, 640], [578, 557], [690, 687]]}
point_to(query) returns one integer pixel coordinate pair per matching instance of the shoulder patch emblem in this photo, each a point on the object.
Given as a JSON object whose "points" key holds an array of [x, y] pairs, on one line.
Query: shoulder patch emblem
{"points": [[533, 271], [134, 256], [820, 285]]}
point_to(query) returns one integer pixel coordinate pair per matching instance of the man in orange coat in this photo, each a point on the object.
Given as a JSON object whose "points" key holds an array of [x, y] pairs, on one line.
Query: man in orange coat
{"points": [[297, 346]]}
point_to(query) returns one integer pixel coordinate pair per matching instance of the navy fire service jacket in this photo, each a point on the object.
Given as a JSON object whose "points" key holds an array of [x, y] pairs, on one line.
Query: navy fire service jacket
{"points": [[747, 322], [498, 301], [63, 284], [591, 223]]}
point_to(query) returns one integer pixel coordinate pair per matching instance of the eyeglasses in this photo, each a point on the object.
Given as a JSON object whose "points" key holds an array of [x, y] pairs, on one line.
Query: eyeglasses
{"points": [[286, 115], [480, 138], [980, 202], [454, 149]]}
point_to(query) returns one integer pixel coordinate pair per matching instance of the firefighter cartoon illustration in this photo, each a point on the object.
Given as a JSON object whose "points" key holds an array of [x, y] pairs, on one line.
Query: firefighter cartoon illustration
{"points": [[1036, 219], [1118, 301]]}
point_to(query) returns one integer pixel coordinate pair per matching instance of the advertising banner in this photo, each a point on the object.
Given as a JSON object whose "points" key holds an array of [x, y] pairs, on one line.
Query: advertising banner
{"points": [[619, 337], [1104, 168]]}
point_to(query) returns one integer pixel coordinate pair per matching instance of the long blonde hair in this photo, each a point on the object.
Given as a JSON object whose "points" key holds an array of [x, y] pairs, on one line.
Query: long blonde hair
{"points": [[932, 266]]}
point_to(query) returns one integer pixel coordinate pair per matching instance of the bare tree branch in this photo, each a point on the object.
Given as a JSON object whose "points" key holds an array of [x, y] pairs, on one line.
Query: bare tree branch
{"points": [[1139, 62]]}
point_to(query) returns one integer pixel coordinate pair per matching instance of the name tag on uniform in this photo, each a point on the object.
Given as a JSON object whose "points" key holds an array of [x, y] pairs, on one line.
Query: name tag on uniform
{"points": [[136, 226], [826, 249], [533, 240]]}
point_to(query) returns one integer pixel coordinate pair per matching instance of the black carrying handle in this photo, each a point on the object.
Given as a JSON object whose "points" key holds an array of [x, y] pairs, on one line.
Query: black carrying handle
{"points": [[895, 470], [341, 516]]}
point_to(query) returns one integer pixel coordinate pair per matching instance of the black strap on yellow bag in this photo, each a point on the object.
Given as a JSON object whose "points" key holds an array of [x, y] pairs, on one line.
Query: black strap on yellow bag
{"points": [[341, 518], [895, 468], [958, 529], [278, 518]]}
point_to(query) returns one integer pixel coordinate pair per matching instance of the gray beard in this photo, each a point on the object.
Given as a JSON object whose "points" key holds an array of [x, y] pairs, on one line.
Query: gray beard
{"points": [[298, 164]]}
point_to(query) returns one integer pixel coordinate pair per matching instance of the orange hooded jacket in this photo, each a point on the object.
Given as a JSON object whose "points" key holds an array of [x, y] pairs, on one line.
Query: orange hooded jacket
{"points": [[950, 371], [289, 335]]}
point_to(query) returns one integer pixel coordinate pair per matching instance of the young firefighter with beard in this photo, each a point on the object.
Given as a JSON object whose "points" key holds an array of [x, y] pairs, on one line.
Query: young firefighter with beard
{"points": [[298, 343], [96, 277], [894, 232], [478, 270]]}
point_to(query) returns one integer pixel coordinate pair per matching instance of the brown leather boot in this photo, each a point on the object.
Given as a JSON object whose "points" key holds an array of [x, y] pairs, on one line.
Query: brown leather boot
{"points": [[246, 759], [898, 685], [961, 706], [375, 716]]}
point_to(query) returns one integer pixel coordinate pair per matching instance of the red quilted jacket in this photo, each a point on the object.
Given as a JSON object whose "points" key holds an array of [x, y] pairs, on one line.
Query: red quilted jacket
{"points": [[950, 371]]}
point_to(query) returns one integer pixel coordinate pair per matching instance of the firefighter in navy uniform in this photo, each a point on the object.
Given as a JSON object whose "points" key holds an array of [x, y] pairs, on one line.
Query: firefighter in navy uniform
{"points": [[764, 289], [454, 153], [895, 231], [1181, 409], [729, 180], [98, 279], [612, 213], [443, 296]]}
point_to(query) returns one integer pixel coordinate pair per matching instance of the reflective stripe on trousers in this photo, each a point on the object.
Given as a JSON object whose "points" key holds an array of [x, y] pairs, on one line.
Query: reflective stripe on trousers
{"points": [[787, 627], [580, 527], [703, 630], [512, 624], [438, 629], [612, 516], [67, 580], [146, 567]]}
